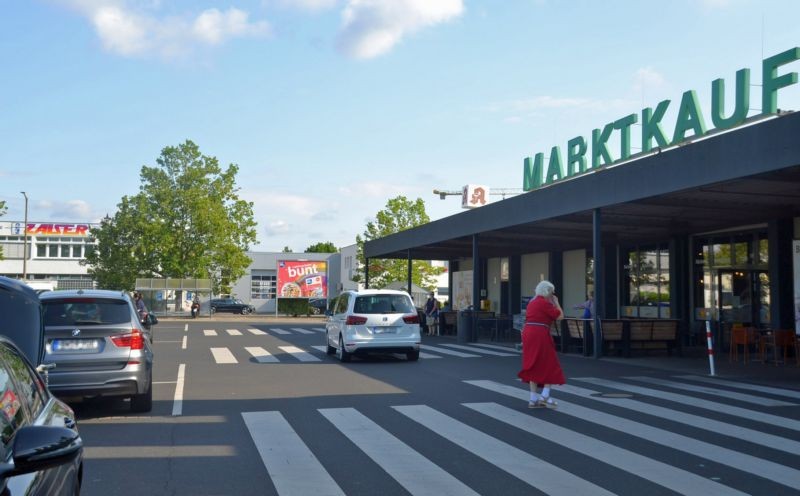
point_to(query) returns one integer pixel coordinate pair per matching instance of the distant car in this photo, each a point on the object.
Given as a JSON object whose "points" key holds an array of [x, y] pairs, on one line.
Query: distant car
{"points": [[99, 346], [41, 451], [318, 305], [373, 321], [232, 305]]}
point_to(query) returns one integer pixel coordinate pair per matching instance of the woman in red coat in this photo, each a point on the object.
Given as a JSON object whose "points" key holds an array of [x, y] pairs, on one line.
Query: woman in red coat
{"points": [[540, 365]]}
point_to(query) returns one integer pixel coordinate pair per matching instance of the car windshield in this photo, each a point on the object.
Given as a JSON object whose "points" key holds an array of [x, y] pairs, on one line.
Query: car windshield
{"points": [[383, 303], [85, 311]]}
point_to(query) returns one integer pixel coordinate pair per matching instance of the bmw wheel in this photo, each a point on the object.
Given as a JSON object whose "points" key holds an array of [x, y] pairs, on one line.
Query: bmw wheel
{"points": [[342, 353], [141, 403]]}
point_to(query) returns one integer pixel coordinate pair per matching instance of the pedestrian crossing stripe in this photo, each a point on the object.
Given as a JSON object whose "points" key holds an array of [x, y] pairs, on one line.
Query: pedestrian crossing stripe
{"points": [[740, 461], [233, 332], [445, 351], [747, 398], [676, 479], [209, 332], [301, 330], [505, 349], [299, 354], [417, 474], [741, 385], [261, 355], [293, 468], [223, 356], [318, 329], [699, 422], [479, 350], [279, 331], [537, 472], [257, 332], [735, 411]]}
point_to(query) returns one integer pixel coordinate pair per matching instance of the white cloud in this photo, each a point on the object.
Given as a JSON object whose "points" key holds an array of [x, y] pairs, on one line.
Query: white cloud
{"points": [[373, 27], [276, 228], [311, 5], [134, 28], [647, 78]]}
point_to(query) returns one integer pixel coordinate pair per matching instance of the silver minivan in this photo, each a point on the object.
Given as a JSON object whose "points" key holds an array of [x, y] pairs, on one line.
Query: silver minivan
{"points": [[98, 345], [373, 321]]}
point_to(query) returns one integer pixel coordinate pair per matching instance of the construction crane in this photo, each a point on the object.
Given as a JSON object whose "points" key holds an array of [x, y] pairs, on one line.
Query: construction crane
{"points": [[492, 191]]}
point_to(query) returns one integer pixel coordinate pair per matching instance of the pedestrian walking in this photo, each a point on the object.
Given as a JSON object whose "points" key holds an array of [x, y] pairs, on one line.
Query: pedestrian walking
{"points": [[587, 306], [540, 365]]}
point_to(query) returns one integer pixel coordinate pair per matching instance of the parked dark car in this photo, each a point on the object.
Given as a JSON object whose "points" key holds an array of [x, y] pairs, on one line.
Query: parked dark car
{"points": [[318, 305], [41, 452], [232, 305]]}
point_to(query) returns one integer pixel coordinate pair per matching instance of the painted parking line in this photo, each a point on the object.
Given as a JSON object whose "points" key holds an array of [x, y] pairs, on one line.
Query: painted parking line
{"points": [[183, 344], [177, 400]]}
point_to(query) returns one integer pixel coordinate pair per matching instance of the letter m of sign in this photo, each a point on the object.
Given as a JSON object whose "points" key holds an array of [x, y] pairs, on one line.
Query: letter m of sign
{"points": [[532, 174]]}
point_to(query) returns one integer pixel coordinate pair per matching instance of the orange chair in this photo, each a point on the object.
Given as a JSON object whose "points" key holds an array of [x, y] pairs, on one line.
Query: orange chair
{"points": [[744, 337], [779, 340]]}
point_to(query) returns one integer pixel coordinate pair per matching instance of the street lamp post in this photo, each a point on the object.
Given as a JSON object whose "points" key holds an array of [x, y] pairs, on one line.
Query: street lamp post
{"points": [[25, 237]]}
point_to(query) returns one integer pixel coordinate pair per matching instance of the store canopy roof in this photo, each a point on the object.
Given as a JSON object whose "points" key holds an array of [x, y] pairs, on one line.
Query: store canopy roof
{"points": [[746, 176]]}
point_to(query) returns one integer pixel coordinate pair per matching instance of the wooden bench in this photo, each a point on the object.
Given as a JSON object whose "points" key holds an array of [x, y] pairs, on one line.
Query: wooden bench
{"points": [[575, 336], [613, 332], [651, 335]]}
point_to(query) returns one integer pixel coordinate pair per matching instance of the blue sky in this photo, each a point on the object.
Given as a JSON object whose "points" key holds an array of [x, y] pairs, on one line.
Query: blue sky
{"points": [[331, 107]]}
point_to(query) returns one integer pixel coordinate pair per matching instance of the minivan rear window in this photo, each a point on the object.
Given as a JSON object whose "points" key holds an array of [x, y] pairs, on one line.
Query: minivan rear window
{"points": [[382, 303], [85, 311]]}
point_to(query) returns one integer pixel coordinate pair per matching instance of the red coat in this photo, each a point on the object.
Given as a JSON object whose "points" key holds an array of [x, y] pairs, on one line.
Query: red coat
{"points": [[539, 360]]}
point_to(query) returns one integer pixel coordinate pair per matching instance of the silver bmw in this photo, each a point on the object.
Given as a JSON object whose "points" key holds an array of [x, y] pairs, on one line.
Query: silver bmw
{"points": [[98, 345]]}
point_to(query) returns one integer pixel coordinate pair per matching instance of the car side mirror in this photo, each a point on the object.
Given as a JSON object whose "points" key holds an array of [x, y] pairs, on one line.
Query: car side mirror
{"points": [[39, 447]]}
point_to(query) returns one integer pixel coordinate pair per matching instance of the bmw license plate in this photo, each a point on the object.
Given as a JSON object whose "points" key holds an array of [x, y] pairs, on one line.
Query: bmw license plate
{"points": [[76, 345]]}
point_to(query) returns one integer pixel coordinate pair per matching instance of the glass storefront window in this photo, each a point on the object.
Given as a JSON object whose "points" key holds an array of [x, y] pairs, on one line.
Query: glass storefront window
{"points": [[741, 251], [763, 250], [647, 281], [721, 252]]}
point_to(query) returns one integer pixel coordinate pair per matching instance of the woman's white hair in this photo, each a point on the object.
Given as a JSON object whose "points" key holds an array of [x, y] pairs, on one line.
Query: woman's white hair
{"points": [[545, 288]]}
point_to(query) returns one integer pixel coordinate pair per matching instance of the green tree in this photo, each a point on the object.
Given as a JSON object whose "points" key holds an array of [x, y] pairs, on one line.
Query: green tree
{"points": [[326, 247], [399, 214], [187, 221], [286, 249], [2, 213]]}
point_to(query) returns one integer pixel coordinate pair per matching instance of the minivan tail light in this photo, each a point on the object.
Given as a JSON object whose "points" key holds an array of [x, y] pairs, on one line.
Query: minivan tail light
{"points": [[355, 320], [411, 319], [134, 340]]}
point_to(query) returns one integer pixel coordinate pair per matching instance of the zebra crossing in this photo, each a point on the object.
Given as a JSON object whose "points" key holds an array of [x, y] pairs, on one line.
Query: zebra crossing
{"points": [[649, 441], [283, 354]]}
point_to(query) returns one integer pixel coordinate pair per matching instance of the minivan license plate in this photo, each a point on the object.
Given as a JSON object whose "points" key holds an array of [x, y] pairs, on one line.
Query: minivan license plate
{"points": [[68, 345]]}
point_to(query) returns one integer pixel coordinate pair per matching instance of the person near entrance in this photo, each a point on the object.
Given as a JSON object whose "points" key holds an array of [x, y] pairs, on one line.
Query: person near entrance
{"points": [[432, 315], [587, 306], [540, 365]]}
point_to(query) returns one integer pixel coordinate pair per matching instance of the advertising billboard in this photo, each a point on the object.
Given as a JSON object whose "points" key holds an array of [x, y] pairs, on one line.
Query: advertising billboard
{"points": [[302, 279]]}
